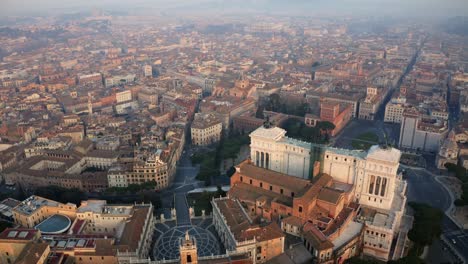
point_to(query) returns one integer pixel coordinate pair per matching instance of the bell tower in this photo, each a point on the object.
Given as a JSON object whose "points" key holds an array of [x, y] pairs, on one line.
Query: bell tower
{"points": [[188, 250]]}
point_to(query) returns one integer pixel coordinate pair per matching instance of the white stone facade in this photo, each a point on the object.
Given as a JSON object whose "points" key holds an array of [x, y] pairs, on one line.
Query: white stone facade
{"points": [[373, 174], [271, 149], [394, 112]]}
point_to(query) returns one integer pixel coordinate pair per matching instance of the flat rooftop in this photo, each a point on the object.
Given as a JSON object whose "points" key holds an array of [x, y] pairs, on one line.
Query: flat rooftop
{"points": [[101, 207], [33, 203]]}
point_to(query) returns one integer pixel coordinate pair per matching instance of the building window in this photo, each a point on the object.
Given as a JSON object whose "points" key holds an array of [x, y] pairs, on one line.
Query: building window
{"points": [[377, 186], [241, 178], [300, 209], [281, 191], [384, 186], [292, 194], [250, 181], [261, 184], [371, 185], [259, 250], [271, 188]]}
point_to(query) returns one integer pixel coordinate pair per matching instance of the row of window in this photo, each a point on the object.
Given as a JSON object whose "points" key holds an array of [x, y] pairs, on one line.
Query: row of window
{"points": [[281, 191], [376, 233], [377, 187], [372, 245], [336, 158]]}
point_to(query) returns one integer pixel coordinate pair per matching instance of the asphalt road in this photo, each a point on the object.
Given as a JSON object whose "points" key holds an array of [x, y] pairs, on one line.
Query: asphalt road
{"points": [[182, 210], [185, 181], [423, 188], [357, 127]]}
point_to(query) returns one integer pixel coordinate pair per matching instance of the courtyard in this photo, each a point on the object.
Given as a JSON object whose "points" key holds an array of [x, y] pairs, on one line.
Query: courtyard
{"points": [[168, 235]]}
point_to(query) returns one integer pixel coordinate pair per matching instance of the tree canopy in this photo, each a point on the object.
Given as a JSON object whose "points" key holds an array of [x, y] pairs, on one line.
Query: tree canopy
{"points": [[427, 226]]}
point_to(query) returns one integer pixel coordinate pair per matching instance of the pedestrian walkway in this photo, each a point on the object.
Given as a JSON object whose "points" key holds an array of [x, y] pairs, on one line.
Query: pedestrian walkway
{"points": [[182, 209]]}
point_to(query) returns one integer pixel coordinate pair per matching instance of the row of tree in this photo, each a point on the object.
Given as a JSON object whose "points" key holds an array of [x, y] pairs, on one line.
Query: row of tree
{"points": [[227, 148], [275, 104], [318, 134]]}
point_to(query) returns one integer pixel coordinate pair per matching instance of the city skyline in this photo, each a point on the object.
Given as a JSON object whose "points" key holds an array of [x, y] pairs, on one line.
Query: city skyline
{"points": [[222, 131]]}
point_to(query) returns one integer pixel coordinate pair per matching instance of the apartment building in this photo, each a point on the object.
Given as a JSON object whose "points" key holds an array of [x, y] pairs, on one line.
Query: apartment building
{"points": [[146, 167], [206, 129]]}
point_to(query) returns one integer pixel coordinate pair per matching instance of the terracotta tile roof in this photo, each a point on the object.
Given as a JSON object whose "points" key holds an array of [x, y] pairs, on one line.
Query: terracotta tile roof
{"points": [[293, 220], [330, 195], [317, 185], [295, 184], [318, 240], [242, 226], [262, 233], [339, 221], [133, 229], [247, 192], [32, 253], [18, 234]]}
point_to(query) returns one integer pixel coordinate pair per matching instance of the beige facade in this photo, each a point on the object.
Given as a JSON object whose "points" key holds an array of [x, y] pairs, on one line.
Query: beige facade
{"points": [[22, 246], [240, 234], [100, 233], [378, 188], [394, 112], [123, 96], [36, 209], [206, 130], [153, 169]]}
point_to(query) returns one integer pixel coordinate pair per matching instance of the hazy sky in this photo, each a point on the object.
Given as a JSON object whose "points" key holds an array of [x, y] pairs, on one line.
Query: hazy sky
{"points": [[359, 7]]}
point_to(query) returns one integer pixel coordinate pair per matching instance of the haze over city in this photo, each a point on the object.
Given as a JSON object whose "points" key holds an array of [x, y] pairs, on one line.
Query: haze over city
{"points": [[233, 131], [416, 8]]}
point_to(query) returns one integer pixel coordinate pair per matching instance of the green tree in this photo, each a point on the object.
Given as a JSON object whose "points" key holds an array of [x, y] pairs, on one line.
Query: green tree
{"points": [[325, 125], [61, 194], [427, 226]]}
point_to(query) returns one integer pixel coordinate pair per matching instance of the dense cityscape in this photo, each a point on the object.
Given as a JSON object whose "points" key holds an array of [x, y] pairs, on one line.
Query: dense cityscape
{"points": [[152, 138]]}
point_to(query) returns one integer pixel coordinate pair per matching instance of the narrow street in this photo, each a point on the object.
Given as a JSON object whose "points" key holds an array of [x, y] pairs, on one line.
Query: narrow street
{"points": [[182, 209], [175, 196]]}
